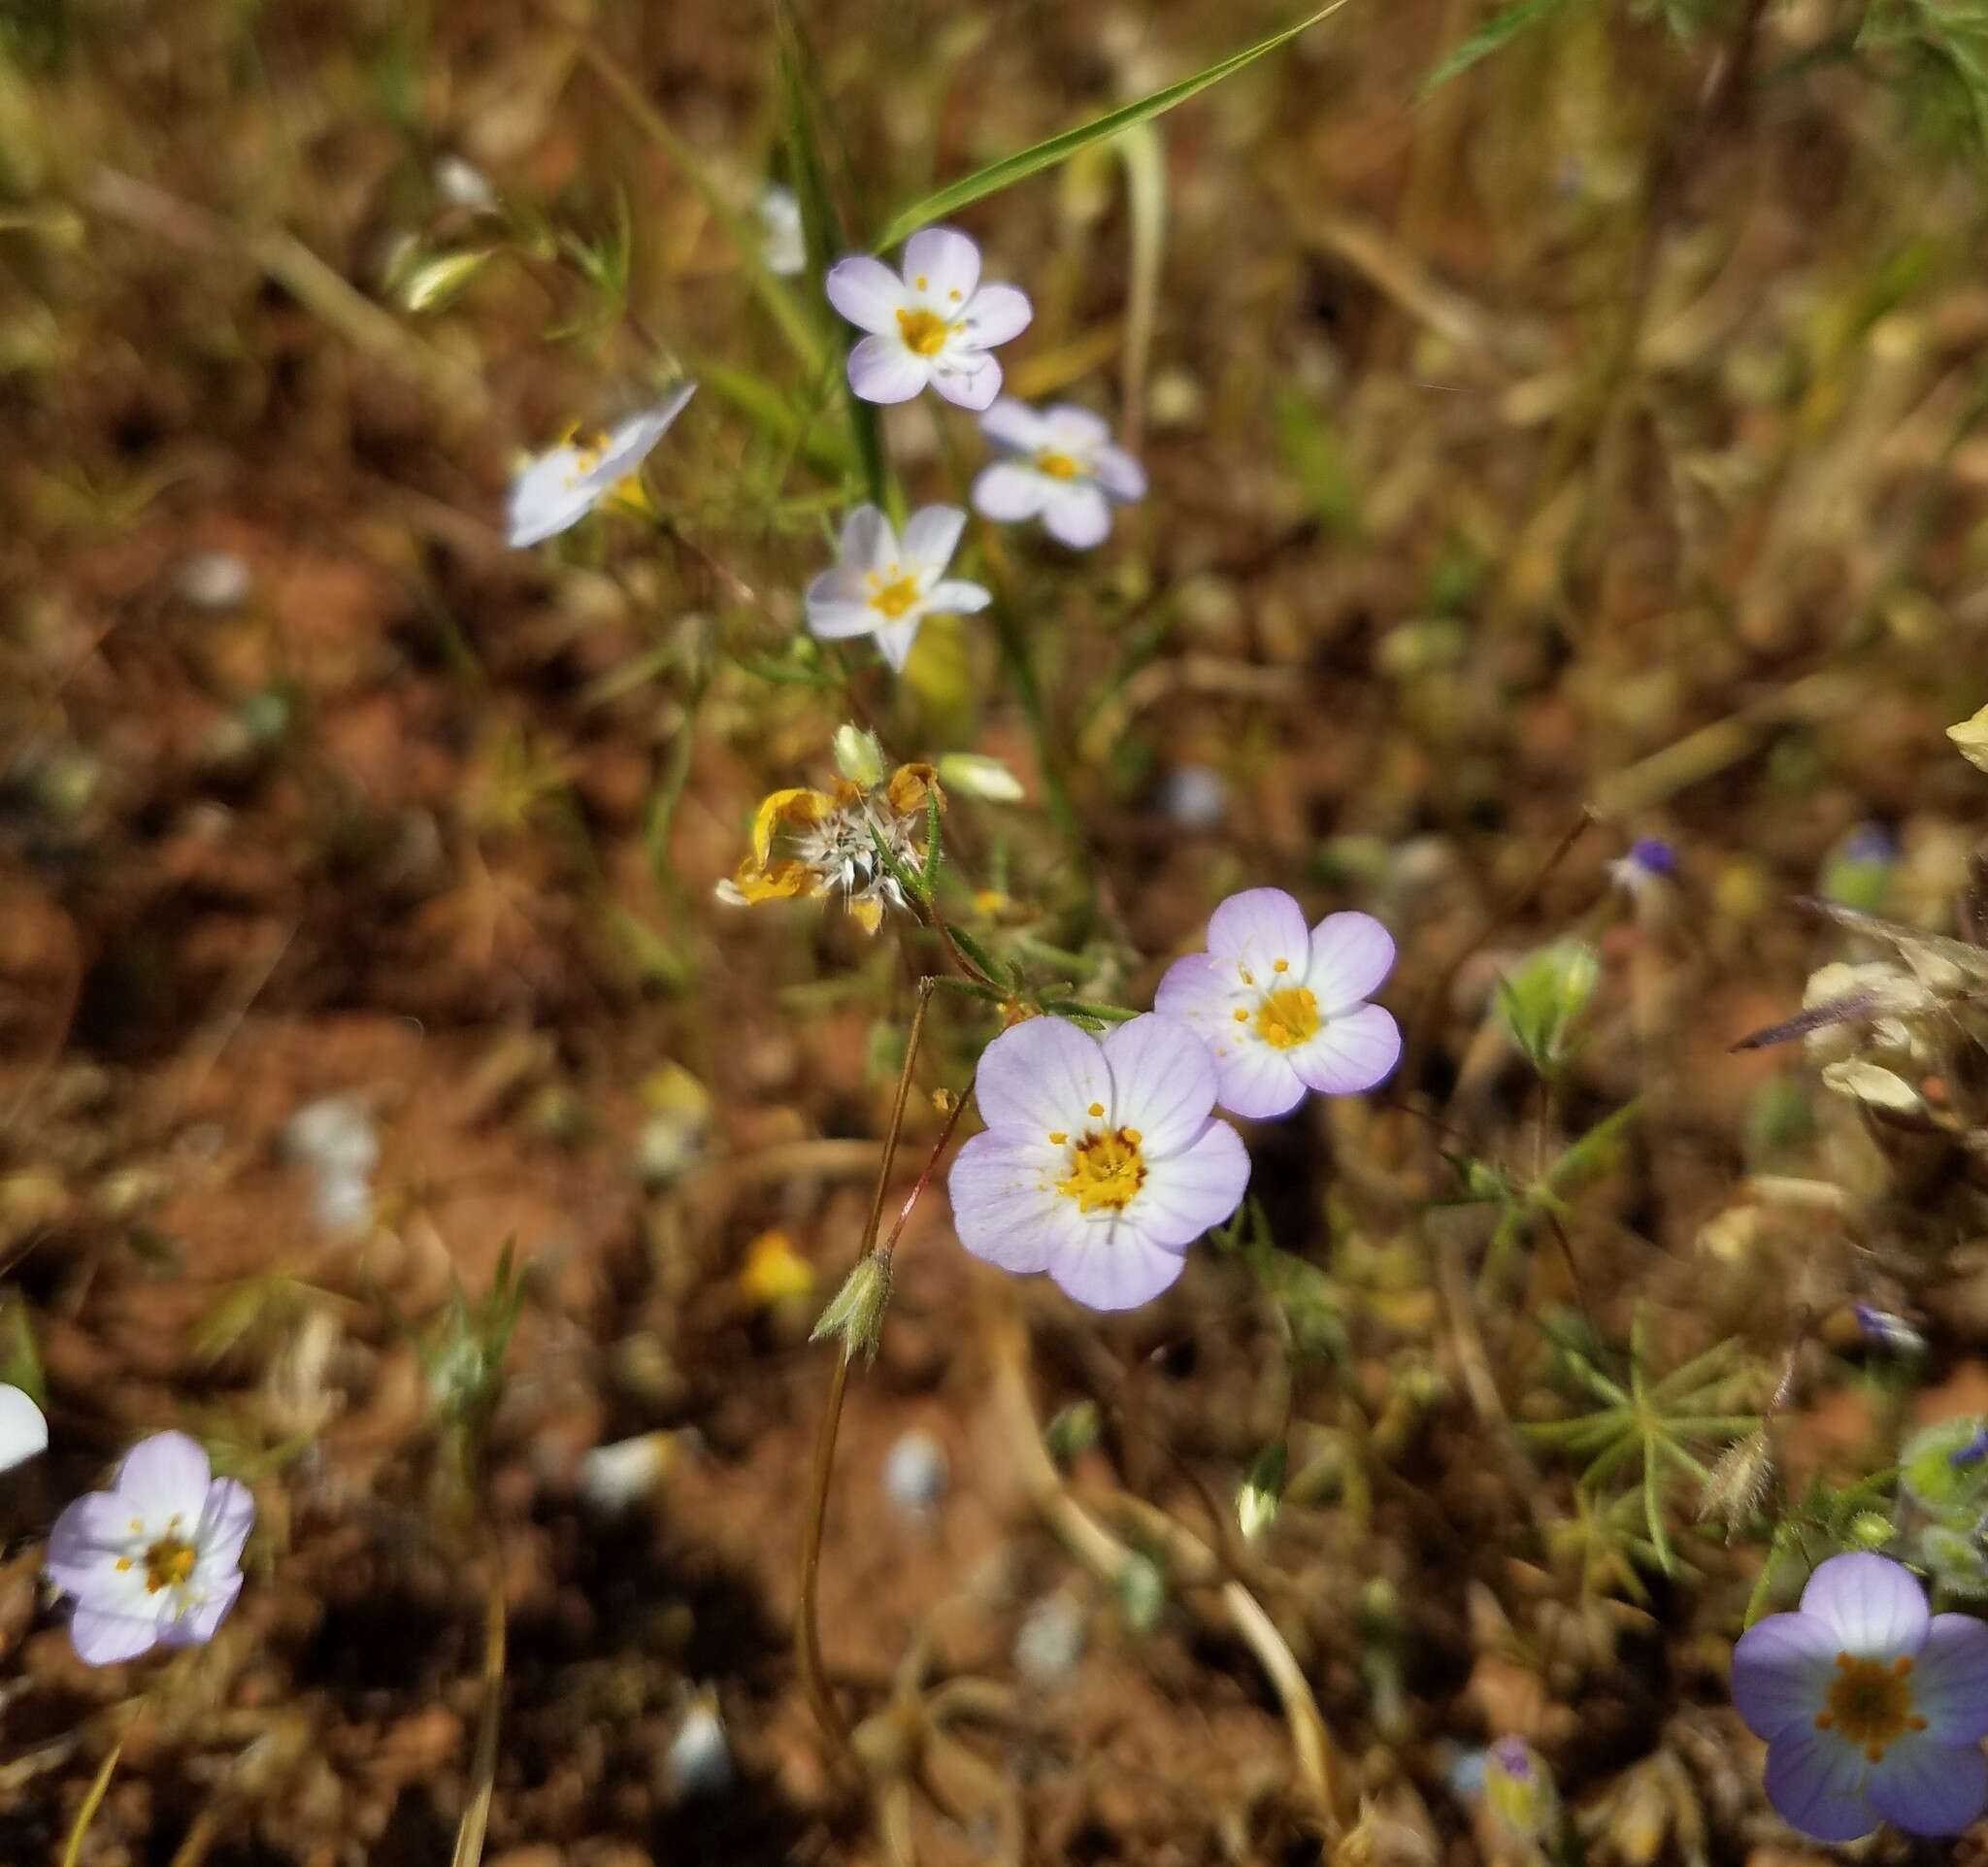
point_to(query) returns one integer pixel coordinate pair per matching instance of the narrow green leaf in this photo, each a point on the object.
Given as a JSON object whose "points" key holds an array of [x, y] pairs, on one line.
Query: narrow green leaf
{"points": [[1012, 169], [821, 227], [1496, 33]]}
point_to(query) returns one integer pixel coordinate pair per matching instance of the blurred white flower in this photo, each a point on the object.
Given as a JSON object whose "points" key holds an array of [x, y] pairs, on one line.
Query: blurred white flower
{"points": [[334, 1137], [462, 185], [785, 250], [23, 1432], [885, 585], [1064, 470], [213, 580], [611, 1478], [933, 326], [558, 489], [915, 1473]]}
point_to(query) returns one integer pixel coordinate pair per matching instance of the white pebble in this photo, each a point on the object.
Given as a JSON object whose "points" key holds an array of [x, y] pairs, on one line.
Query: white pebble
{"points": [[915, 1473], [699, 1761], [1049, 1643]]}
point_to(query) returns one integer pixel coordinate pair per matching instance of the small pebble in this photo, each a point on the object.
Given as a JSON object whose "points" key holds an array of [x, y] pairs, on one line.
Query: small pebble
{"points": [[1195, 797], [699, 1761], [611, 1478], [1049, 1643], [213, 580]]}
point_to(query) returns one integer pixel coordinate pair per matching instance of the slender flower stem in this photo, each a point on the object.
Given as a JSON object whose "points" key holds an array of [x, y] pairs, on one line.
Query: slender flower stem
{"points": [[821, 1473]]}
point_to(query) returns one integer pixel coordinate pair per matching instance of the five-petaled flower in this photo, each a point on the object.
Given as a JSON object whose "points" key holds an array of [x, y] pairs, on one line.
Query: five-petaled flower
{"points": [[1064, 471], [1282, 1006], [934, 326], [827, 845], [1100, 1162], [1873, 1709], [558, 489], [157, 1560], [885, 585]]}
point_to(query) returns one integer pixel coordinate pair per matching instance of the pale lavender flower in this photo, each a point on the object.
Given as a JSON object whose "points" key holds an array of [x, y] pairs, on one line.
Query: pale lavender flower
{"points": [[1873, 1709], [23, 1432], [935, 325], [1100, 1163], [558, 489], [1282, 1006], [1065, 471], [157, 1560], [886, 585]]}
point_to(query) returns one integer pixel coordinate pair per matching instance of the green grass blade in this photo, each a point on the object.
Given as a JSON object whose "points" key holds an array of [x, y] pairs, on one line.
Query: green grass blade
{"points": [[1012, 169], [1494, 35], [822, 227]]}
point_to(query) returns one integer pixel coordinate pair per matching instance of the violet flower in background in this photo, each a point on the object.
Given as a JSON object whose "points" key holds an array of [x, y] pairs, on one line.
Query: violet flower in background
{"points": [[1063, 469], [1100, 1163], [155, 1561], [1281, 1007], [934, 326], [1873, 1709]]}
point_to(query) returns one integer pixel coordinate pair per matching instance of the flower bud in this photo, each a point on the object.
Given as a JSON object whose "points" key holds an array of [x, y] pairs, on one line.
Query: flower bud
{"points": [[858, 756], [1261, 1494], [855, 1313], [431, 285], [973, 774], [1972, 737], [1738, 1481]]}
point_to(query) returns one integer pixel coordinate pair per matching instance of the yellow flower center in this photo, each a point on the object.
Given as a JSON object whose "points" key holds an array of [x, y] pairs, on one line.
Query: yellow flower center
{"points": [[1106, 1169], [167, 1564], [924, 332], [1287, 1018], [1870, 1704], [1059, 466], [895, 597], [587, 450]]}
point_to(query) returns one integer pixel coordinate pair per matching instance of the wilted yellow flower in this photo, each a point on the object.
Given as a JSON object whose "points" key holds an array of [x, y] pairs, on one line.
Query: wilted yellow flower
{"points": [[808, 845]]}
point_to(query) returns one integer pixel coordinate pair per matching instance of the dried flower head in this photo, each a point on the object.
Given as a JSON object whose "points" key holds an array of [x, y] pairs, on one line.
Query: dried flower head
{"points": [[811, 844]]}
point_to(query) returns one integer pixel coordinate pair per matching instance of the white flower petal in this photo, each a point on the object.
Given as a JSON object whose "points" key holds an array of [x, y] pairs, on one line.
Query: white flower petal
{"points": [[967, 381], [166, 1476], [1010, 492], [23, 1432], [997, 315], [1043, 1075], [1163, 1083], [940, 262], [1352, 1051], [546, 498], [1078, 515], [1349, 955], [867, 543], [1075, 429], [835, 619], [1119, 473], [1190, 1192], [1005, 1204], [1014, 424], [635, 439], [932, 536], [867, 293], [882, 370], [955, 596], [1874, 1606], [1257, 928], [894, 641], [1112, 1267]]}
